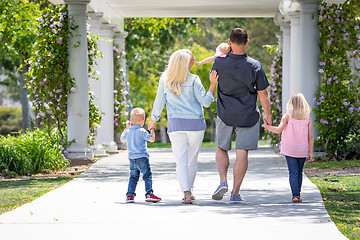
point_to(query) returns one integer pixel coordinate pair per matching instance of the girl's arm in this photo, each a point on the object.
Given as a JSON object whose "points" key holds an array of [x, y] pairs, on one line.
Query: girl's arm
{"points": [[311, 141], [206, 60], [159, 102], [280, 128]]}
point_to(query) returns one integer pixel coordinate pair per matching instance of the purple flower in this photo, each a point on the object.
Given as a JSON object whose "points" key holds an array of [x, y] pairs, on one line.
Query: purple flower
{"points": [[53, 31], [58, 91], [335, 77], [91, 51], [115, 91], [324, 121], [60, 24], [59, 40], [41, 123], [318, 103], [345, 103], [322, 63], [321, 98], [329, 81], [69, 35], [328, 42], [338, 119], [71, 21], [351, 109], [73, 89], [65, 13], [44, 80], [336, 81], [50, 112], [65, 152], [314, 99], [356, 27], [52, 25], [124, 93], [321, 70], [48, 54], [115, 49]]}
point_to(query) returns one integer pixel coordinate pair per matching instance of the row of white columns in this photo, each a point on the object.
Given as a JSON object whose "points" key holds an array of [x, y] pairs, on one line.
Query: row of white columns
{"points": [[103, 88], [299, 44]]}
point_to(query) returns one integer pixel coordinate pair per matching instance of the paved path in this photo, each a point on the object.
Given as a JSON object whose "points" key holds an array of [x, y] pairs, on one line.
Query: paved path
{"points": [[93, 206]]}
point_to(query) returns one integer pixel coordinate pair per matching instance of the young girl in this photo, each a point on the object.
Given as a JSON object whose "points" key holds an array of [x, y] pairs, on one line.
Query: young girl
{"points": [[221, 51], [297, 140]]}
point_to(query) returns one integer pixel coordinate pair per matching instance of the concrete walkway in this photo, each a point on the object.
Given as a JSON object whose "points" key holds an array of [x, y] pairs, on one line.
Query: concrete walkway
{"points": [[93, 206]]}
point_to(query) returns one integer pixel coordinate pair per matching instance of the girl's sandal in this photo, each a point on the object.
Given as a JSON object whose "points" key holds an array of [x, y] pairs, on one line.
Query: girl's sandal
{"points": [[187, 199], [296, 199]]}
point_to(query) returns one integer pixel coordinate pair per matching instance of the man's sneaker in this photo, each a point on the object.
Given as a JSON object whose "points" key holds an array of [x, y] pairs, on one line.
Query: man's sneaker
{"points": [[152, 198], [220, 191], [130, 199], [236, 199]]}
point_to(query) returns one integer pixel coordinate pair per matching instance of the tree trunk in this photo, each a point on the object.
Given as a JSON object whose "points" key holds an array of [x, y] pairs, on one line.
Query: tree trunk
{"points": [[163, 134], [212, 125], [24, 100]]}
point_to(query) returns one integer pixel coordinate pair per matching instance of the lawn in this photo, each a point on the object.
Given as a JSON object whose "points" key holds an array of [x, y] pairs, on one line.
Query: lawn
{"points": [[18, 192], [341, 195]]}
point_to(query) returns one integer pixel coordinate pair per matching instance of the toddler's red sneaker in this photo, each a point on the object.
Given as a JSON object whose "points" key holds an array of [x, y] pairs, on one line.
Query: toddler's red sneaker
{"points": [[130, 199], [152, 198]]}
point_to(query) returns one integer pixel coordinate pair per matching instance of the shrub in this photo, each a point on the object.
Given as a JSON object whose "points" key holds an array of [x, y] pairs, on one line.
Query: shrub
{"points": [[10, 120], [31, 153]]}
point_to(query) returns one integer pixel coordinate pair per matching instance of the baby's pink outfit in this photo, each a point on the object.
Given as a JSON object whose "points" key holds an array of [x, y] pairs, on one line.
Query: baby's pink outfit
{"points": [[295, 138], [218, 53]]}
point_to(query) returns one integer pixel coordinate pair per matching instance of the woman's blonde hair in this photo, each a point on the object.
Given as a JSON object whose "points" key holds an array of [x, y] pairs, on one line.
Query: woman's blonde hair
{"points": [[298, 107], [177, 70]]}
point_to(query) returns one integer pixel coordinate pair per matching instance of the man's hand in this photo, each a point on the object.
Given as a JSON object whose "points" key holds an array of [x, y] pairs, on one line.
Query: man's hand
{"points": [[267, 120]]}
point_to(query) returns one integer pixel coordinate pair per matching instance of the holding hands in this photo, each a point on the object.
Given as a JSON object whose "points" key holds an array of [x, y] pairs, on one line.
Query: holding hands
{"points": [[151, 124]]}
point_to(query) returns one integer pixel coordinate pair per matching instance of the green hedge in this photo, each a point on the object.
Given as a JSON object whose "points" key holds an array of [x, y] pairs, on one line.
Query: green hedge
{"points": [[31, 153], [10, 120]]}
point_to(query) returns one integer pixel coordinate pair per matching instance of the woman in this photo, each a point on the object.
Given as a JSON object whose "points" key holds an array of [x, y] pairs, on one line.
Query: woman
{"points": [[184, 96]]}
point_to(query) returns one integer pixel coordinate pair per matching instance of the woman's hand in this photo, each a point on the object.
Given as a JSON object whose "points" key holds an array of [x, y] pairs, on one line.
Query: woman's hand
{"points": [[151, 124], [214, 77]]}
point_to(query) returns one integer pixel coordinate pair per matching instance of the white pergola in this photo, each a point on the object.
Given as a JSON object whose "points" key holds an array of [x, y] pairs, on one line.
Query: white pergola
{"points": [[298, 41]]}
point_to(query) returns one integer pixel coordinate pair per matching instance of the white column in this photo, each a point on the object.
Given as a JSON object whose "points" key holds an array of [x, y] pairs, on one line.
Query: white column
{"points": [[310, 51], [285, 65], [119, 39], [295, 52], [78, 102], [106, 131], [279, 36], [94, 83]]}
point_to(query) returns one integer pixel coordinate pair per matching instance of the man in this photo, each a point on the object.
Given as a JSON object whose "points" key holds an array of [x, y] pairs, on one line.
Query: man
{"points": [[241, 80]]}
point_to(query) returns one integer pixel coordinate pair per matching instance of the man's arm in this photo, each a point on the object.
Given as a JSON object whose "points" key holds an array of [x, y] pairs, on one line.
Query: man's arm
{"points": [[265, 103]]}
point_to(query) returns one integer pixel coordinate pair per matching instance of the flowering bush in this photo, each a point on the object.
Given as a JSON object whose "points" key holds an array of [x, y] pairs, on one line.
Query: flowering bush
{"points": [[49, 81], [275, 92], [337, 99], [94, 114], [120, 92]]}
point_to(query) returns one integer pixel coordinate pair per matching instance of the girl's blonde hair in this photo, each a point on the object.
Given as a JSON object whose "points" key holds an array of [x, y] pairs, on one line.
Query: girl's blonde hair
{"points": [[177, 70], [298, 107]]}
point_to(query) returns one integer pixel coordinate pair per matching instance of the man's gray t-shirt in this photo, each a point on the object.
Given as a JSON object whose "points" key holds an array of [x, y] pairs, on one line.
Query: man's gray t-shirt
{"points": [[240, 77]]}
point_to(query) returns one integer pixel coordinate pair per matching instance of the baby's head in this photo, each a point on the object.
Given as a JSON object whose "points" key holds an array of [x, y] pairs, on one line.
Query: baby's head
{"points": [[137, 116], [224, 48]]}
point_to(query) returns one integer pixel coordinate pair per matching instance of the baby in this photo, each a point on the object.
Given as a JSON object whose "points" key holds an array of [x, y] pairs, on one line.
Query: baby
{"points": [[221, 51]]}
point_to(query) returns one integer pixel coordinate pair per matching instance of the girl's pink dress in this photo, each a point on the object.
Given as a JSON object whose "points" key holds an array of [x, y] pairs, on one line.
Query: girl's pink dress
{"points": [[295, 138]]}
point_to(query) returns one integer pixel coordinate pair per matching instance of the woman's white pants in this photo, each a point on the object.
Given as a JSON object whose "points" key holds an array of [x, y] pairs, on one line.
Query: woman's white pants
{"points": [[186, 146]]}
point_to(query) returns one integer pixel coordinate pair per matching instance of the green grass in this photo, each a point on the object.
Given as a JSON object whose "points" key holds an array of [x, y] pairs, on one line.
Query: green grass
{"points": [[334, 164], [341, 195], [204, 144], [18, 192]]}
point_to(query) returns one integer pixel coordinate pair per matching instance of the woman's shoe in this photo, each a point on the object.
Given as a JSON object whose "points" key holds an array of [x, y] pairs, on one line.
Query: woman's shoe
{"points": [[187, 199]]}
